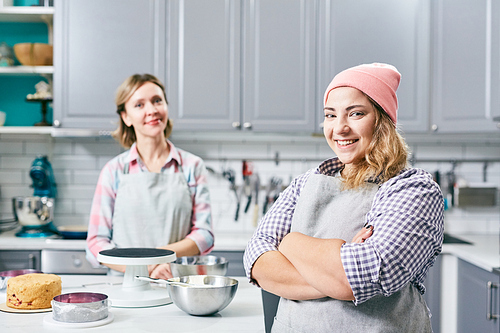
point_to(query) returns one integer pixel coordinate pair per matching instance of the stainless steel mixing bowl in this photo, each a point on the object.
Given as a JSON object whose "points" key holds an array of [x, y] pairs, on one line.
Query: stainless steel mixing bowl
{"points": [[33, 211], [208, 294], [199, 265]]}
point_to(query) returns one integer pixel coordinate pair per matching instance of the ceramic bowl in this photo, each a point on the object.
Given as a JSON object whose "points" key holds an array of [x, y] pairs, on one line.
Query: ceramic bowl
{"points": [[34, 54]]}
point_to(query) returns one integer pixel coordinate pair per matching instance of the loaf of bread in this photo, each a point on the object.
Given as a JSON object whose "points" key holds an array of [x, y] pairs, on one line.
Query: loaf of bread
{"points": [[32, 291]]}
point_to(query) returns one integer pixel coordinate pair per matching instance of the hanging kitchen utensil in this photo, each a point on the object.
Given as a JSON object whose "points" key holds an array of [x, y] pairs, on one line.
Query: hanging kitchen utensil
{"points": [[247, 184], [272, 193], [451, 178], [230, 175], [256, 186]]}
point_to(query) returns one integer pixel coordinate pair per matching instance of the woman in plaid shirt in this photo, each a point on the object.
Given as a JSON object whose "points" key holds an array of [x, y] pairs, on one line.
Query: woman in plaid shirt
{"points": [[391, 214], [153, 194]]}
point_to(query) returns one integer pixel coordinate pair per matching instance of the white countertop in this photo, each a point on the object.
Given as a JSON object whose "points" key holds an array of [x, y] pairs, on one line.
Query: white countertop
{"points": [[484, 251], [8, 241], [243, 314]]}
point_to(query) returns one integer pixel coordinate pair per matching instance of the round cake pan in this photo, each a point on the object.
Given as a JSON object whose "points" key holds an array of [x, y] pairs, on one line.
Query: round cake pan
{"points": [[80, 307]]}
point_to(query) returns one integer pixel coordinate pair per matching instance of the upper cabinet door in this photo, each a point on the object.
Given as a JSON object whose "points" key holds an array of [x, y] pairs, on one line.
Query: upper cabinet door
{"points": [[465, 65], [279, 65], [393, 31], [98, 44], [203, 64]]}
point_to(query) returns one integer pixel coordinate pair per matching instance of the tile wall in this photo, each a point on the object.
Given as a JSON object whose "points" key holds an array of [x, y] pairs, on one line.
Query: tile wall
{"points": [[77, 163]]}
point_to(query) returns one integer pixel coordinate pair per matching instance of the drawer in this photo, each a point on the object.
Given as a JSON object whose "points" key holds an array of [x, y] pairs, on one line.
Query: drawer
{"points": [[19, 259], [68, 262]]}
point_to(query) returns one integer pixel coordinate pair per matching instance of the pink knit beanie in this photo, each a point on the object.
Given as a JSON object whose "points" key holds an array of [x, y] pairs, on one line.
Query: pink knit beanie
{"points": [[379, 81]]}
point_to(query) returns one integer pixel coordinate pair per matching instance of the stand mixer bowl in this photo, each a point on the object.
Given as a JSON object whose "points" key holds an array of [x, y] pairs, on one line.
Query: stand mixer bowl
{"points": [[33, 211]]}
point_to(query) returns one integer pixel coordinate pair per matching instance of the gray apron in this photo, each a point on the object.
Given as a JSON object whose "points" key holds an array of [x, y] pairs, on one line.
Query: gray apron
{"points": [[151, 209], [324, 211]]}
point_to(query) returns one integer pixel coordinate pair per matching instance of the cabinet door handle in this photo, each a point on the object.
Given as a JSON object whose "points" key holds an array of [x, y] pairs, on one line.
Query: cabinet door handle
{"points": [[247, 125], [491, 288], [31, 261], [236, 124]]}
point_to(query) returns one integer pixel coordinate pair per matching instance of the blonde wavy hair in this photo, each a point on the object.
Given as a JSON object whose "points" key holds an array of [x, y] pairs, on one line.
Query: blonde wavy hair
{"points": [[385, 157], [124, 134]]}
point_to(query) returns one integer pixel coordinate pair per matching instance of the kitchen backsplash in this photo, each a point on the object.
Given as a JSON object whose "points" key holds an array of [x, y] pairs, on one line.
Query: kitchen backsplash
{"points": [[78, 161]]}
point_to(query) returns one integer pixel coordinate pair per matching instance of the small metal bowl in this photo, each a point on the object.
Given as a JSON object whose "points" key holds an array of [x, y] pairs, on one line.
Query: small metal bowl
{"points": [[208, 294], [199, 265], [6, 275], [33, 211], [80, 307]]}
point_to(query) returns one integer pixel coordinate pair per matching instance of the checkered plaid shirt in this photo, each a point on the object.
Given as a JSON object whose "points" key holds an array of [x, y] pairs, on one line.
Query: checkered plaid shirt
{"points": [[407, 217]]}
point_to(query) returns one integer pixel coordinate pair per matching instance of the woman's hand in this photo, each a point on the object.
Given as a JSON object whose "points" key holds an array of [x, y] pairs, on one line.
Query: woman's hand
{"points": [[161, 271], [363, 234]]}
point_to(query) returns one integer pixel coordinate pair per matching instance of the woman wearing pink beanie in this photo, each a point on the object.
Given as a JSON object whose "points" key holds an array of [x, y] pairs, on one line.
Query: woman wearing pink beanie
{"points": [[348, 244]]}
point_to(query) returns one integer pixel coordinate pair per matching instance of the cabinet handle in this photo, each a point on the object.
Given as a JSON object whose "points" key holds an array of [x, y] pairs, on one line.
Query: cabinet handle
{"points": [[434, 128], [490, 315], [31, 261], [56, 123], [236, 124], [247, 125]]}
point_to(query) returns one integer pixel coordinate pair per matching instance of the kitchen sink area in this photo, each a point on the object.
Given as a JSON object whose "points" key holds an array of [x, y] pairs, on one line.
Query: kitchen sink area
{"points": [[448, 239]]}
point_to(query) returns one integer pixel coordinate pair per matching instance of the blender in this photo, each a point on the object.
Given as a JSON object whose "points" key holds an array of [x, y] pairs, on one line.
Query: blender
{"points": [[35, 213]]}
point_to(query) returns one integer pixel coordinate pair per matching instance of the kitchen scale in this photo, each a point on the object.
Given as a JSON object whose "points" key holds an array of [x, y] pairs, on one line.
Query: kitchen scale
{"points": [[134, 293]]}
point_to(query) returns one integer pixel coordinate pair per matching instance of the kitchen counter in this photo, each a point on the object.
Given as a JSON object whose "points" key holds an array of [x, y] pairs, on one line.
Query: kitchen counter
{"points": [[484, 250], [243, 314], [8, 241]]}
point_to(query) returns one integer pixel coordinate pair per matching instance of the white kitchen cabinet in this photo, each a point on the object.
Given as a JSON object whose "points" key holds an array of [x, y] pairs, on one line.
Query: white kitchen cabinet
{"points": [[241, 65], [279, 49], [465, 67], [97, 45], [391, 31], [478, 299], [203, 71]]}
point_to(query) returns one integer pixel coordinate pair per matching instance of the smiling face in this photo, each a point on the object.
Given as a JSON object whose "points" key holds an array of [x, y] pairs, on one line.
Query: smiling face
{"points": [[146, 110], [349, 124]]}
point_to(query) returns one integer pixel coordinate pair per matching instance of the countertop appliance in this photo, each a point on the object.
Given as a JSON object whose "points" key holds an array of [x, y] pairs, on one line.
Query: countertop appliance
{"points": [[44, 186]]}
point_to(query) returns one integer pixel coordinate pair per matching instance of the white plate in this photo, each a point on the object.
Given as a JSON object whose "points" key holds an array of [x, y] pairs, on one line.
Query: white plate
{"points": [[5, 308], [49, 320]]}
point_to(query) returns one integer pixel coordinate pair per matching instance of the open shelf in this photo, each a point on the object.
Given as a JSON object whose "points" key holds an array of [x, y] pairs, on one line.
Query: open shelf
{"points": [[26, 129], [26, 14], [26, 70]]}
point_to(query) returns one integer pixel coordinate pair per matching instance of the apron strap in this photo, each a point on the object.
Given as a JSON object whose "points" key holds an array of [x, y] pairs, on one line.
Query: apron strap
{"points": [[126, 168]]}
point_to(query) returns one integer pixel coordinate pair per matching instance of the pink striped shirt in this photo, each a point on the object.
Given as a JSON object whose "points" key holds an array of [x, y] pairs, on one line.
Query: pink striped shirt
{"points": [[193, 167]]}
